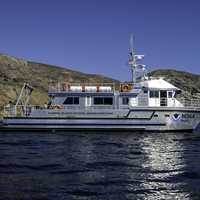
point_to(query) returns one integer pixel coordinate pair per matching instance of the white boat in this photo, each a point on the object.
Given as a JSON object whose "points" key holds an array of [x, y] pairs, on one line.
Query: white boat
{"points": [[145, 104]]}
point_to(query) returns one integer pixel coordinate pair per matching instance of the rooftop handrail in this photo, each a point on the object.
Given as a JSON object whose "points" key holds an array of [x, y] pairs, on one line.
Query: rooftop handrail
{"points": [[156, 77], [66, 86]]}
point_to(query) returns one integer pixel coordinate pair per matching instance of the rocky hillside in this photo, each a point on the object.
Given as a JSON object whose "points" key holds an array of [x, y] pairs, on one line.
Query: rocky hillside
{"points": [[187, 82], [14, 72]]}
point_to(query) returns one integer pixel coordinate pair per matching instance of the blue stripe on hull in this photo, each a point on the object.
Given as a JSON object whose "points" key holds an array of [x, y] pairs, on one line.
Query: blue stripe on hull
{"points": [[86, 124]]}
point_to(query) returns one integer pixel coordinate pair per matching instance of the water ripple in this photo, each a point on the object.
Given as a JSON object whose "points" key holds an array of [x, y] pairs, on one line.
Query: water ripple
{"points": [[99, 166]]}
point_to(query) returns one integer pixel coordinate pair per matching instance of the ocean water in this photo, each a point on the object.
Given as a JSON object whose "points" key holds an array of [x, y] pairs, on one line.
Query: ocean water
{"points": [[103, 165]]}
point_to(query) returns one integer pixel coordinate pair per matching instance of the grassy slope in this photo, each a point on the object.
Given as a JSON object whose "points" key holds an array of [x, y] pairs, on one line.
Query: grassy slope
{"points": [[14, 72]]}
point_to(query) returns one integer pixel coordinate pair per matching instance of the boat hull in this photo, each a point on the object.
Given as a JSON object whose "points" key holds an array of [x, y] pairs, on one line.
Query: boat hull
{"points": [[187, 122]]}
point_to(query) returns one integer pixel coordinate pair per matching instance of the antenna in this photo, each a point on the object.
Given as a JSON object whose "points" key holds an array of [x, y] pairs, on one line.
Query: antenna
{"points": [[131, 41], [133, 62]]}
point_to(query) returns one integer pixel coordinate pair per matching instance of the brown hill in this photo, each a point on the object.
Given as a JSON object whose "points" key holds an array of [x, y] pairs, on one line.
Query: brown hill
{"points": [[187, 82], [14, 72]]}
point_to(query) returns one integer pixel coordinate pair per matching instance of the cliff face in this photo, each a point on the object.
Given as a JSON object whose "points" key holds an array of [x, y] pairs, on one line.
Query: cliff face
{"points": [[14, 72]]}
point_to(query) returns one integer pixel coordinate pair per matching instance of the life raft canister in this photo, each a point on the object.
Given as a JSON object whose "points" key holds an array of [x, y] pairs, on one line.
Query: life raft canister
{"points": [[66, 87], [83, 88], [98, 88], [69, 87]]}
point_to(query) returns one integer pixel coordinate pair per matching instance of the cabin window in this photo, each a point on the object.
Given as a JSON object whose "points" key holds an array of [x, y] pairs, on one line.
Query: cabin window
{"points": [[154, 94], [125, 100], [108, 101], [103, 100], [76, 100], [98, 101], [169, 94], [71, 101]]}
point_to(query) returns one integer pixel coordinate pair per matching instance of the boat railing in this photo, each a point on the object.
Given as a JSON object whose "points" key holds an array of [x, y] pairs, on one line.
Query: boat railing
{"points": [[81, 87], [190, 102], [177, 102], [20, 110]]}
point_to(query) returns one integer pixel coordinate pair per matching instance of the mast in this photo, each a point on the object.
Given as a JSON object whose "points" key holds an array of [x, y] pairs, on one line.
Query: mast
{"points": [[135, 67]]}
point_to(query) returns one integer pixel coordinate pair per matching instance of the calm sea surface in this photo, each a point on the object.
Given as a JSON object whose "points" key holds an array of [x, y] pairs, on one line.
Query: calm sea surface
{"points": [[89, 166]]}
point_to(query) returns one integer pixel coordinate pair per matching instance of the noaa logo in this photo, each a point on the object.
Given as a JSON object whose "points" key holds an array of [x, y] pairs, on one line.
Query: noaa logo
{"points": [[176, 116], [183, 117]]}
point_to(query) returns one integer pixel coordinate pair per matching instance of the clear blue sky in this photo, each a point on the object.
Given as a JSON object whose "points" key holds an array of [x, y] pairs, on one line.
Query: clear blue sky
{"points": [[93, 35]]}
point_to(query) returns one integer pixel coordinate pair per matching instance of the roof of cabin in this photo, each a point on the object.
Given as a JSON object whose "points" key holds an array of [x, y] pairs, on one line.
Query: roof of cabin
{"points": [[159, 84]]}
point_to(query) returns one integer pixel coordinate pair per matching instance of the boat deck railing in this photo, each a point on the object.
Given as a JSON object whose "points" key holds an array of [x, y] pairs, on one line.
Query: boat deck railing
{"points": [[190, 102], [81, 87], [10, 111], [20, 110], [179, 102]]}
